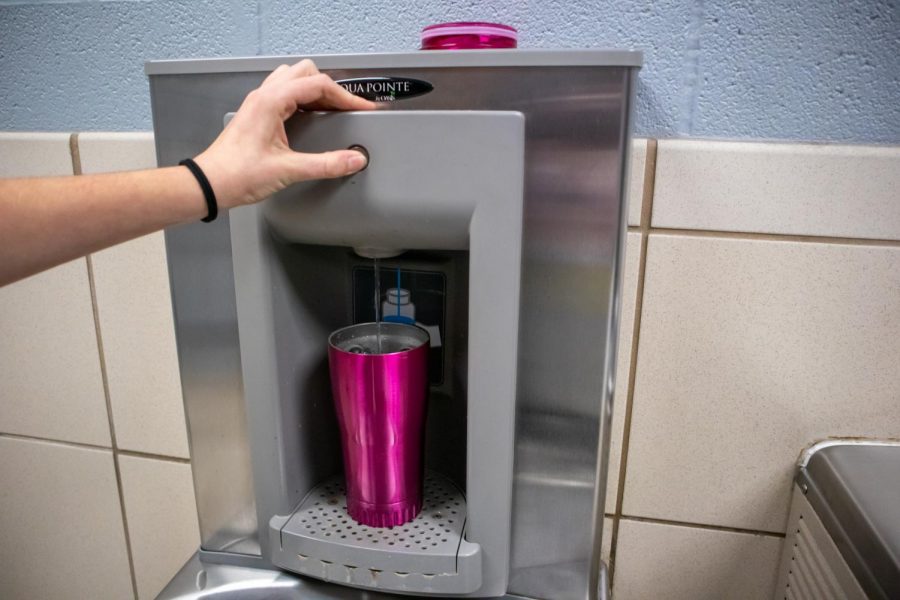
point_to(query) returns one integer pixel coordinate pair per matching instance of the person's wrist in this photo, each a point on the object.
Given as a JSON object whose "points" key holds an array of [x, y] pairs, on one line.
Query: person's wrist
{"points": [[227, 193]]}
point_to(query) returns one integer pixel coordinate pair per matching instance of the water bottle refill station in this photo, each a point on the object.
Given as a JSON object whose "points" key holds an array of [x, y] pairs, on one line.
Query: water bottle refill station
{"points": [[494, 203]]}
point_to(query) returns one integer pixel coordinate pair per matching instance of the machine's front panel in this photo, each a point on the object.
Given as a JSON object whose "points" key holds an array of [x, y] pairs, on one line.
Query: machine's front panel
{"points": [[187, 116], [575, 136], [460, 201]]}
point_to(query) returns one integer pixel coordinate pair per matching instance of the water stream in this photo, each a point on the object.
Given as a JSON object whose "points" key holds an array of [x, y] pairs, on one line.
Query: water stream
{"points": [[377, 303]]}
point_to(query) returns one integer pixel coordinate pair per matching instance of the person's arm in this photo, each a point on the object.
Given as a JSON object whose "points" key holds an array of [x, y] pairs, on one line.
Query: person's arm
{"points": [[47, 221]]}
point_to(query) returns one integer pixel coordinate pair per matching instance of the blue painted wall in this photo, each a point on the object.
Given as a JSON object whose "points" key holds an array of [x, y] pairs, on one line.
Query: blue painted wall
{"points": [[797, 69]]}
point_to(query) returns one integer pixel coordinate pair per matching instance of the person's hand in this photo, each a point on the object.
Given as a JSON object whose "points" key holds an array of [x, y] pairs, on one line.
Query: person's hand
{"points": [[251, 159]]}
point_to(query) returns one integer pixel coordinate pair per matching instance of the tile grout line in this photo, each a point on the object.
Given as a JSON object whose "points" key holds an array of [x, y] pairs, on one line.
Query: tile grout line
{"points": [[34, 438], [708, 527], [87, 446], [152, 456], [649, 184], [767, 237], [112, 428], [76, 167], [774, 237], [646, 214], [75, 154]]}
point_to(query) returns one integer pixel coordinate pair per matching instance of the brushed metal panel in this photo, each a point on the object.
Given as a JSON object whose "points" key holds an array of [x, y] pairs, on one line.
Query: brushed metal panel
{"points": [[187, 116], [576, 136], [520, 57]]}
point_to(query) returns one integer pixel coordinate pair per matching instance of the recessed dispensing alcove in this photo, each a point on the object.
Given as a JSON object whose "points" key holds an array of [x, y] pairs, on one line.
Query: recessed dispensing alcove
{"points": [[443, 194]]}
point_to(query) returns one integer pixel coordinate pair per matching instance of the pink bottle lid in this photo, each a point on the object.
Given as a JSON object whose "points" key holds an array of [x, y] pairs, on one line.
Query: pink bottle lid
{"points": [[468, 36]]}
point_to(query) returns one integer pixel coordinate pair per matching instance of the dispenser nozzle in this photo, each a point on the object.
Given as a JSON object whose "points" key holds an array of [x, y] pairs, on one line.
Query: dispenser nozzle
{"points": [[367, 252]]}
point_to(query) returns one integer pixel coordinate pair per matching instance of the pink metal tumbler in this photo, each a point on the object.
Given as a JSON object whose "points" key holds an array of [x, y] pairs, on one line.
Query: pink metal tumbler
{"points": [[380, 398]]}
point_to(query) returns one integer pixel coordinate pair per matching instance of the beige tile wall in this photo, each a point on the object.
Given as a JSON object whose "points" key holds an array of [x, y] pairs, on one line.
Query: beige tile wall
{"points": [[761, 312], [51, 385], [61, 533], [750, 350], [159, 505], [96, 498], [766, 317], [134, 309], [801, 189], [667, 561]]}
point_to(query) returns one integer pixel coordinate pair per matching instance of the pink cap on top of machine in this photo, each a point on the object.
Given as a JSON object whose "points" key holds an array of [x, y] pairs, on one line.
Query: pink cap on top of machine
{"points": [[468, 35]]}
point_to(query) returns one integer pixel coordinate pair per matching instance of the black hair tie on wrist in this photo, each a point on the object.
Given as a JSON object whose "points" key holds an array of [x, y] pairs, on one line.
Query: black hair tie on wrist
{"points": [[211, 206]]}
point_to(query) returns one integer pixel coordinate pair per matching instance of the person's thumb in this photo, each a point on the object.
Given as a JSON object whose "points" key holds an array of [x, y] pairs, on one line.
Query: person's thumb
{"points": [[327, 165]]}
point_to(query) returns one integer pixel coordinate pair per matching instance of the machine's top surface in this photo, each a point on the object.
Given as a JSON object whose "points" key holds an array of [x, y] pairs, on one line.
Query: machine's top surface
{"points": [[859, 485], [398, 60]]}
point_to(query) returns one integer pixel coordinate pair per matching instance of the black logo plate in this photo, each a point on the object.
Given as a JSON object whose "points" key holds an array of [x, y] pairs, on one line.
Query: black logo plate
{"points": [[386, 89]]}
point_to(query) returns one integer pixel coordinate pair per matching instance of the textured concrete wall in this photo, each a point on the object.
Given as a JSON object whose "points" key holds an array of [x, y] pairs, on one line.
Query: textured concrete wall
{"points": [[799, 69]]}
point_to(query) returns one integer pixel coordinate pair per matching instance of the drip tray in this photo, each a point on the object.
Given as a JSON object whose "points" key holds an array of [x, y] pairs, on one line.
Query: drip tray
{"points": [[426, 555]]}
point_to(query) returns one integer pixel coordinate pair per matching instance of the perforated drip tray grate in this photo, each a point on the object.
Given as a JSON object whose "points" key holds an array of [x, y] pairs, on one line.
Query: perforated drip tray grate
{"points": [[437, 529], [322, 540]]}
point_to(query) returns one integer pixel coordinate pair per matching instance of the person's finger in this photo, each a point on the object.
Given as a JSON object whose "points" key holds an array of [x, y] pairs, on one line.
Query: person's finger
{"points": [[303, 68], [321, 92], [276, 74], [326, 165]]}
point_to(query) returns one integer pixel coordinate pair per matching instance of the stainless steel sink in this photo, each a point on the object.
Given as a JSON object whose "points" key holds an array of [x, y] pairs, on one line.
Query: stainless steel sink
{"points": [[197, 580]]}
